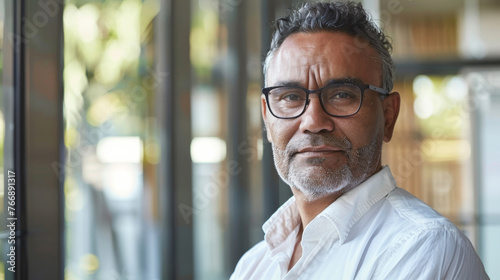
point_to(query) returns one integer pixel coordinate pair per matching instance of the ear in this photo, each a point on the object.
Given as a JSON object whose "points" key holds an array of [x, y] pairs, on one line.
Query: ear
{"points": [[264, 117], [391, 106]]}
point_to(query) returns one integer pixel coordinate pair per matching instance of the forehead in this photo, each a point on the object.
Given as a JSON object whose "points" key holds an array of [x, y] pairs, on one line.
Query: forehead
{"points": [[323, 56]]}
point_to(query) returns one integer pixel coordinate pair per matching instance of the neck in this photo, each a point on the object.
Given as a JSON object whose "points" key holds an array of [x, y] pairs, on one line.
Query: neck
{"points": [[310, 209]]}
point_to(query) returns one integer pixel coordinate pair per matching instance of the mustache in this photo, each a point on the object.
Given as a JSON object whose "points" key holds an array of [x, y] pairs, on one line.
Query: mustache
{"points": [[317, 139]]}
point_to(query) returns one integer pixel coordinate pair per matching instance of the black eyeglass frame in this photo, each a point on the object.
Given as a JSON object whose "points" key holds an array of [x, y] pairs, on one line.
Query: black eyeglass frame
{"points": [[319, 91]]}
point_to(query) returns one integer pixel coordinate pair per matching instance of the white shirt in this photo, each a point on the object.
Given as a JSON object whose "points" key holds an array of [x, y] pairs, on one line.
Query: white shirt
{"points": [[375, 231]]}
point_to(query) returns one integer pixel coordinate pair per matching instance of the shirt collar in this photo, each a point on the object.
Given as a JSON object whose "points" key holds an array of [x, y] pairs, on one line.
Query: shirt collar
{"points": [[283, 222], [342, 214]]}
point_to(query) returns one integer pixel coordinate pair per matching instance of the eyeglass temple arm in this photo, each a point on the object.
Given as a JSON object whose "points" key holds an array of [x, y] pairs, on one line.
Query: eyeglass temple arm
{"points": [[379, 90]]}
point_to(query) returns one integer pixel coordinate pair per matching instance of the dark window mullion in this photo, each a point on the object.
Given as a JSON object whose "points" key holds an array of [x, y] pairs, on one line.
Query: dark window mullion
{"points": [[13, 90], [33, 140]]}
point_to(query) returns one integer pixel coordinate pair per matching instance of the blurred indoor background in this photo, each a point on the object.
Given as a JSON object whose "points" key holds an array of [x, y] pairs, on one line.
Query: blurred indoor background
{"points": [[135, 132]]}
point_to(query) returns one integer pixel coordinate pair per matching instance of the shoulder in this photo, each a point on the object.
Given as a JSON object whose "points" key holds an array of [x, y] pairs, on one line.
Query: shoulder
{"points": [[431, 253], [411, 215], [410, 207], [427, 243], [251, 260], [419, 225]]}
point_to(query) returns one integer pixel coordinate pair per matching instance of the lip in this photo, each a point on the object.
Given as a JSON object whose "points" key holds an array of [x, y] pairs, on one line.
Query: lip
{"points": [[319, 150]]}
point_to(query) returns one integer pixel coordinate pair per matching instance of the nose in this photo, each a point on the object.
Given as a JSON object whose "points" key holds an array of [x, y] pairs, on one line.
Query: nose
{"points": [[315, 119]]}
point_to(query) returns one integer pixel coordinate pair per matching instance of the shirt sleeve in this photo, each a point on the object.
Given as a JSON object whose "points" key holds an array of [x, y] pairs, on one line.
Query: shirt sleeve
{"points": [[441, 253]]}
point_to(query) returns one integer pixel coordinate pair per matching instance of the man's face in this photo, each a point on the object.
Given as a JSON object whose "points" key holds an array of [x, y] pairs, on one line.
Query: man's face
{"points": [[317, 154]]}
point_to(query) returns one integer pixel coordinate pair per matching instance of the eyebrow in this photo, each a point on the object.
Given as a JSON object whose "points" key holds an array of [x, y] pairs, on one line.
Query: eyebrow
{"points": [[350, 80], [288, 84]]}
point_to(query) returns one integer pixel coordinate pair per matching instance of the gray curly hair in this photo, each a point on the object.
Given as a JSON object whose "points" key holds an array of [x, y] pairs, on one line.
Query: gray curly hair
{"points": [[347, 17]]}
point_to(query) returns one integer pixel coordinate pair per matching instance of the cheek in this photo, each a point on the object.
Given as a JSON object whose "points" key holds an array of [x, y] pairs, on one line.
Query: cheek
{"points": [[362, 130], [281, 132]]}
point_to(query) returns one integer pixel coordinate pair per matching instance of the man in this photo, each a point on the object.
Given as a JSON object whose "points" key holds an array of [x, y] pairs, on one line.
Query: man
{"points": [[327, 109]]}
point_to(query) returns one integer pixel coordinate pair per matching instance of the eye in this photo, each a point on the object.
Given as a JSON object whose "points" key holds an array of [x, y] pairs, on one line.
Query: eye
{"points": [[292, 96], [287, 95], [342, 95]]}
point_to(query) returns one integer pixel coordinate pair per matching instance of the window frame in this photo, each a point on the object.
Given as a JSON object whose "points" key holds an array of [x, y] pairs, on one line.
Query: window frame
{"points": [[33, 89]]}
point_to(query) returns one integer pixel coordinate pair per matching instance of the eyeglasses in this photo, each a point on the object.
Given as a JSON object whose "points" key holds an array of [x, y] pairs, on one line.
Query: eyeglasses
{"points": [[338, 100]]}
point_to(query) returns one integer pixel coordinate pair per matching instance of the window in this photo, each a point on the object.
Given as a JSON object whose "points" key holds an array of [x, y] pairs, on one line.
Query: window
{"points": [[111, 218]]}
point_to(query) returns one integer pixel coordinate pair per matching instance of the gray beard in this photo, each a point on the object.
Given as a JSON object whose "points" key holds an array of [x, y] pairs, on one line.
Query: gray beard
{"points": [[361, 163]]}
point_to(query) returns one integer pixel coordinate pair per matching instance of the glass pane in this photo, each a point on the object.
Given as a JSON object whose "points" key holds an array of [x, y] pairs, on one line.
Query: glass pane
{"points": [[109, 79], [211, 57], [210, 179], [430, 153], [484, 101]]}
